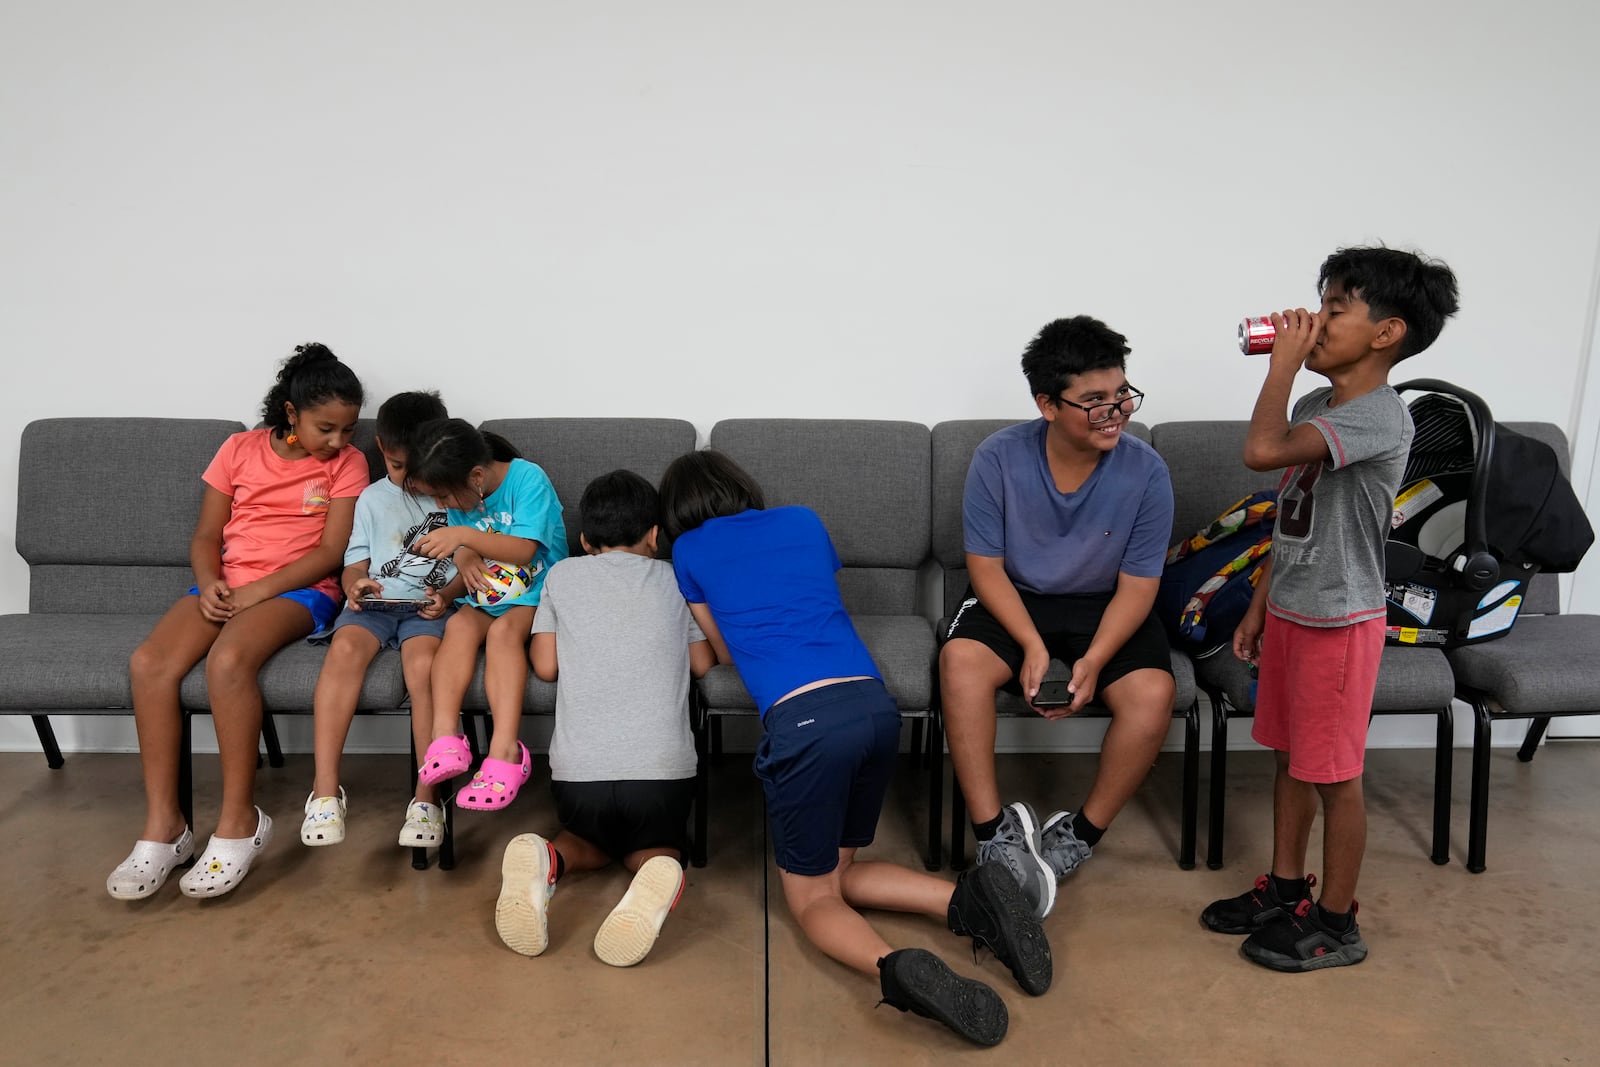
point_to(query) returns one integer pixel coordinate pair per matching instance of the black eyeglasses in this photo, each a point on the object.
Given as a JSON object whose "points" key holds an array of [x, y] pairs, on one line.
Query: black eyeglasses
{"points": [[1099, 413]]}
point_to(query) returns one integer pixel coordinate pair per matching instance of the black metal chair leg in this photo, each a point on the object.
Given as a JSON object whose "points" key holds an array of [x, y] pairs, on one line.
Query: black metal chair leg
{"points": [[715, 722], [47, 741], [958, 825], [419, 855], [916, 744], [447, 846], [469, 726], [1191, 785], [1443, 768], [1478, 816], [186, 770], [699, 843], [269, 735], [1530, 743], [934, 755], [1219, 782]]}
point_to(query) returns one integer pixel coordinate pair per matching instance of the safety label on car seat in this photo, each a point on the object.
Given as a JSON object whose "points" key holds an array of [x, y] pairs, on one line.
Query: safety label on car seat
{"points": [[1413, 500], [1412, 635], [1419, 601], [1499, 619]]}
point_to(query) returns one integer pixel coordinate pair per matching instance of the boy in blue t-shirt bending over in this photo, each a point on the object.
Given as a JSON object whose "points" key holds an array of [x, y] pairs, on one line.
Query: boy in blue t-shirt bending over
{"points": [[1066, 523]]}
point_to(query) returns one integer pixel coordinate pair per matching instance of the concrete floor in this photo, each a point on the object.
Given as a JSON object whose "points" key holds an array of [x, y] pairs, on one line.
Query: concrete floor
{"points": [[347, 955]]}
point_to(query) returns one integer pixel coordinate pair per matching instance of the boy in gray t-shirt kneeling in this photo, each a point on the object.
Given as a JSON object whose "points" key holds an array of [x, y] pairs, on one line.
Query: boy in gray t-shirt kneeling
{"points": [[614, 628]]}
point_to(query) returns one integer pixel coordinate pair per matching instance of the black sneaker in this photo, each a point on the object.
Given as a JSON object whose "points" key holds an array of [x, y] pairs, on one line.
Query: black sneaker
{"points": [[1301, 941], [988, 907], [915, 980], [1247, 912]]}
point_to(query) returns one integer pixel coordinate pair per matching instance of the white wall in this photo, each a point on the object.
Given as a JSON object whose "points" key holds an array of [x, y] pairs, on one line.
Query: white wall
{"points": [[710, 209]]}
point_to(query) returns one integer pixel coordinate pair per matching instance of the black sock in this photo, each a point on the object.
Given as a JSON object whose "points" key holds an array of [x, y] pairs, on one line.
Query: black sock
{"points": [[561, 865], [985, 830], [1087, 831], [1337, 921], [1289, 890]]}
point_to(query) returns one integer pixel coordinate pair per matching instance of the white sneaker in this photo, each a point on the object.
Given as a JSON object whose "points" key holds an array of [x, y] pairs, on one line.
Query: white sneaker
{"points": [[630, 931], [527, 882], [226, 861], [324, 822], [147, 866], [424, 826]]}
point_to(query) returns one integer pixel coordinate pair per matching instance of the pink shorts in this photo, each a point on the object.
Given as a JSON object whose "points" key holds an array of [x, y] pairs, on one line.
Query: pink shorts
{"points": [[1314, 695]]}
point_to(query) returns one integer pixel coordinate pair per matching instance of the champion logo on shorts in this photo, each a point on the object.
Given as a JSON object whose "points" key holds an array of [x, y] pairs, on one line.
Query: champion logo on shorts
{"points": [[965, 604], [804, 722]]}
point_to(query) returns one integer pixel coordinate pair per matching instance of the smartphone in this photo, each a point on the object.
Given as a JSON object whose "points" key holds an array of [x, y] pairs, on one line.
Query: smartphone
{"points": [[377, 603], [1052, 695]]}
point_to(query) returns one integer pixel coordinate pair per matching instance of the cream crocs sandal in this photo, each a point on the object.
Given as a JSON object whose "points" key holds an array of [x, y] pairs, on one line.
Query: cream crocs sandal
{"points": [[424, 825], [630, 931], [147, 866], [226, 861], [324, 821]]}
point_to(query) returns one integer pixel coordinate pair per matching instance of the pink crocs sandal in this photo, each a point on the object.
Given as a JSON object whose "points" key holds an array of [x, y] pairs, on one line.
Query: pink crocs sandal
{"points": [[446, 757], [496, 783]]}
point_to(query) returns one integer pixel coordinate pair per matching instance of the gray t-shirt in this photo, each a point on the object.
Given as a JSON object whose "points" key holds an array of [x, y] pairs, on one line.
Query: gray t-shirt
{"points": [[622, 648], [1334, 515]]}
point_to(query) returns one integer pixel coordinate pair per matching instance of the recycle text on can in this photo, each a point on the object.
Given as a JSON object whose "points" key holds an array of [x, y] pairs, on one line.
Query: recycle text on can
{"points": [[1256, 336]]}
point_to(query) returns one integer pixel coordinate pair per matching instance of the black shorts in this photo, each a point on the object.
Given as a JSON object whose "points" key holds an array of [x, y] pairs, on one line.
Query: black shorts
{"points": [[1067, 624], [621, 818]]}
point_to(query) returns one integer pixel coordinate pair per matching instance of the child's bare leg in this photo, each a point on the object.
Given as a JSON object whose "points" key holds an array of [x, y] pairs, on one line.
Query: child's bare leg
{"points": [[634, 860], [1294, 806], [1344, 842], [155, 670], [1141, 714], [334, 703], [416, 665], [505, 678], [818, 905], [580, 854], [452, 670], [891, 887], [246, 641]]}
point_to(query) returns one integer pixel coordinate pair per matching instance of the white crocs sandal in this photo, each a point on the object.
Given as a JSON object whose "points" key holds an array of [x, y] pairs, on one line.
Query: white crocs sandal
{"points": [[324, 822], [147, 866], [226, 861], [424, 825], [629, 932]]}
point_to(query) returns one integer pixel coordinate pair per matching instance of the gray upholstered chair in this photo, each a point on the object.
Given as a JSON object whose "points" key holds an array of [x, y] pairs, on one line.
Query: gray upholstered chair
{"points": [[1208, 474], [868, 481], [953, 444], [1547, 665]]}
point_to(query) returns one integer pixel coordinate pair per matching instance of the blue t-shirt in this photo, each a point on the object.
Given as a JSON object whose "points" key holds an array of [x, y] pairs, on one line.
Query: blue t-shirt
{"points": [[388, 521], [1059, 543], [768, 578], [523, 505]]}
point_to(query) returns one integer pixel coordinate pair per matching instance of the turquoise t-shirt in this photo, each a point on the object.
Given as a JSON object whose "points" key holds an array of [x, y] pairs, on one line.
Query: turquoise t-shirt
{"points": [[523, 505]]}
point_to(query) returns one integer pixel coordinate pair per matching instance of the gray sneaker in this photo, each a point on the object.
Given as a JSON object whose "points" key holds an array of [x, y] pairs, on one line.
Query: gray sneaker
{"points": [[1015, 846], [1063, 850]]}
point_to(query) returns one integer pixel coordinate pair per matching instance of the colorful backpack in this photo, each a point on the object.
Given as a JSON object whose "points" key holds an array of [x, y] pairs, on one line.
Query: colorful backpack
{"points": [[1210, 578]]}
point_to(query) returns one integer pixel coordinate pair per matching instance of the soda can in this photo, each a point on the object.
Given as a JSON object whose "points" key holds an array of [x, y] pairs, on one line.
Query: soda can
{"points": [[1256, 336]]}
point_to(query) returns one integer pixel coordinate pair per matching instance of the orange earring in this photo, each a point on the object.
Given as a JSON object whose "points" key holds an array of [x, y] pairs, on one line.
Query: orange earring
{"points": [[293, 438]]}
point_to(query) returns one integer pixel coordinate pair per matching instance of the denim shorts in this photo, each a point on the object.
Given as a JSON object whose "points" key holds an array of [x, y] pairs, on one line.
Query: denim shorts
{"points": [[825, 761], [391, 628], [322, 606]]}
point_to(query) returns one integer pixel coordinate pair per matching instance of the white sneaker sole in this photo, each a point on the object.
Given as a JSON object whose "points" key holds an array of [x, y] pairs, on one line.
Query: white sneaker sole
{"points": [[630, 931], [520, 914]]}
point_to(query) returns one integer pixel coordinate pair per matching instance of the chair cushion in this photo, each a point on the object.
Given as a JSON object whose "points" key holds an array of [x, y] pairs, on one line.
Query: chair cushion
{"points": [[1409, 679], [1546, 664], [289, 681], [901, 645]]}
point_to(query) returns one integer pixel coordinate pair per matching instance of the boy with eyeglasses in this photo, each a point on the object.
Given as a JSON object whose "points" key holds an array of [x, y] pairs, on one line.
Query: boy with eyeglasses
{"points": [[1315, 630], [1066, 520]]}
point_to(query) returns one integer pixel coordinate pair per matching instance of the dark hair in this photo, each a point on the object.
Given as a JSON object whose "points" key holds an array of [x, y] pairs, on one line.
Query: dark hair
{"points": [[1067, 348], [1420, 292], [618, 510], [310, 377], [444, 451], [705, 485], [403, 414]]}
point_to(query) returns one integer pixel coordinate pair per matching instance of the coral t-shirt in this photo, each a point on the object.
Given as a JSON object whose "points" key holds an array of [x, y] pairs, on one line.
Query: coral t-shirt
{"points": [[280, 506]]}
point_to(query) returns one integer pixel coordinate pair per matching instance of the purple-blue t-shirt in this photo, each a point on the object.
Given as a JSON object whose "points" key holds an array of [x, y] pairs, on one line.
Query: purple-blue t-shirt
{"points": [[768, 578], [1059, 543]]}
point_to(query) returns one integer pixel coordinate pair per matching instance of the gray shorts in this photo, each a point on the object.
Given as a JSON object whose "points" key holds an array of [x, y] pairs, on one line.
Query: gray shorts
{"points": [[391, 628]]}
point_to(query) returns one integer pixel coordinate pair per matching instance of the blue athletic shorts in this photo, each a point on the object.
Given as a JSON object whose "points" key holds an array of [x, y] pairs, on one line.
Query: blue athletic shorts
{"points": [[322, 606], [391, 628], [825, 761]]}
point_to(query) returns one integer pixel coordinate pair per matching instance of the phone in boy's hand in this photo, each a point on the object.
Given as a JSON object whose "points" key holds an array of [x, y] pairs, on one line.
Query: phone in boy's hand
{"points": [[1053, 695], [378, 603]]}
